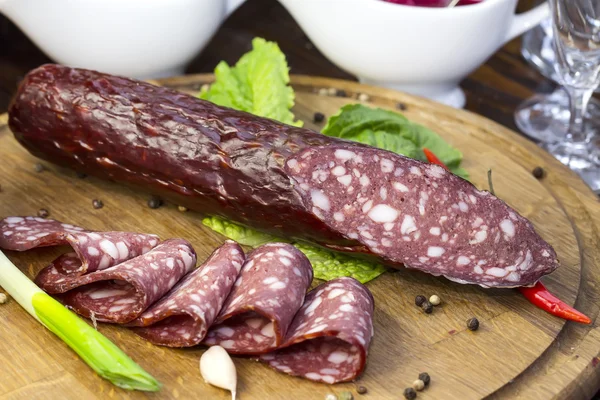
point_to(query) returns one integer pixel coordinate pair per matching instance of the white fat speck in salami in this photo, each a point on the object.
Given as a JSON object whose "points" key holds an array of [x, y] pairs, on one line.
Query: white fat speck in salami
{"points": [[261, 308], [103, 292], [418, 209], [332, 351], [194, 299]]}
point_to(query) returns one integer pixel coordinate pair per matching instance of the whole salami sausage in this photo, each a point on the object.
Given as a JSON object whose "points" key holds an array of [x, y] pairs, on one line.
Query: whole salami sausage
{"points": [[329, 338], [245, 168], [263, 302], [121, 293], [182, 317]]}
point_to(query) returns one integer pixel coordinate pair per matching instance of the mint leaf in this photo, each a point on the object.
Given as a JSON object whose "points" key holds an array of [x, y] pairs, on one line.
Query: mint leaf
{"points": [[391, 131], [326, 264], [257, 84]]}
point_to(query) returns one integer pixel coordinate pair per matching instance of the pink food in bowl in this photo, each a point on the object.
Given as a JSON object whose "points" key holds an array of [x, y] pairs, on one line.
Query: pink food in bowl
{"points": [[432, 3]]}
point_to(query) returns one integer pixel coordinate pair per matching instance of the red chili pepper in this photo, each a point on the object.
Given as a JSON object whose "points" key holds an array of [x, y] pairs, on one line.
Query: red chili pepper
{"points": [[537, 295], [432, 158], [540, 297]]}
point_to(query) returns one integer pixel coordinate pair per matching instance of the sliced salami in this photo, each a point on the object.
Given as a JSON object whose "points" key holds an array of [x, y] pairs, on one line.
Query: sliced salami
{"points": [[420, 215], [121, 293], [182, 317], [267, 294], [93, 250], [329, 338]]}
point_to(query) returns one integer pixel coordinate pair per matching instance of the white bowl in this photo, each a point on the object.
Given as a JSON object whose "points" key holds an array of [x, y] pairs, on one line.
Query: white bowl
{"points": [[135, 38], [424, 51]]}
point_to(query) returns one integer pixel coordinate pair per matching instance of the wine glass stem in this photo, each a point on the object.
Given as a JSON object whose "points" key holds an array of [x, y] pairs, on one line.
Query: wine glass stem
{"points": [[578, 103]]}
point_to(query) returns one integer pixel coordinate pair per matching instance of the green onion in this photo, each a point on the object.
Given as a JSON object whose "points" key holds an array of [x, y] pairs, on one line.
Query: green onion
{"points": [[95, 349]]}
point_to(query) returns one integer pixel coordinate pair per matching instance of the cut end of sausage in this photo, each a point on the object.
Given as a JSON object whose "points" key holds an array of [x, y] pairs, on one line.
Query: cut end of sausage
{"points": [[420, 215]]}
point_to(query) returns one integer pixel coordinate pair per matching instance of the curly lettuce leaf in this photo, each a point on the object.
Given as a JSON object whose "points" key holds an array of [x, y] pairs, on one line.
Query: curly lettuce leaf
{"points": [[391, 131], [326, 264], [258, 84]]}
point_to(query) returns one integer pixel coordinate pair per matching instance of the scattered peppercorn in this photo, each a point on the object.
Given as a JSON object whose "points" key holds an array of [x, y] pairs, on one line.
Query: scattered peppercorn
{"points": [[345, 396], [473, 324], [3, 298], [43, 213], [331, 396], [341, 93], [361, 390], [331, 91], [323, 92], [424, 376], [435, 300], [418, 385], [81, 175], [182, 208], [538, 172], [401, 106], [154, 202], [363, 97], [97, 204], [427, 307], [318, 117], [419, 300], [410, 394], [205, 87], [38, 167]]}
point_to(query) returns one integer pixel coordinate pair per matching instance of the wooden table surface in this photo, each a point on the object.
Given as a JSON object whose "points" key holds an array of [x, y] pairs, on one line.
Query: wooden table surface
{"points": [[494, 90]]}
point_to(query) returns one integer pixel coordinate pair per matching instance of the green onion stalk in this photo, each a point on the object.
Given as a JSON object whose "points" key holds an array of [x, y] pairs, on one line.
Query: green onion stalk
{"points": [[102, 355]]}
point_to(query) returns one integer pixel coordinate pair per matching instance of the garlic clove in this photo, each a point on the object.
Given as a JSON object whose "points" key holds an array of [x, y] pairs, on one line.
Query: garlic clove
{"points": [[218, 369]]}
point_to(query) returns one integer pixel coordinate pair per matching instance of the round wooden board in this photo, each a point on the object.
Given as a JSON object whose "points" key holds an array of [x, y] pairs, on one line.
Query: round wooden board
{"points": [[518, 352]]}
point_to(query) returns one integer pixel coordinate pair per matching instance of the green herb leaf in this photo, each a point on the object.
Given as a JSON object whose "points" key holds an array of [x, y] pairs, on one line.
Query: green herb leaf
{"points": [[326, 264], [391, 131], [257, 84]]}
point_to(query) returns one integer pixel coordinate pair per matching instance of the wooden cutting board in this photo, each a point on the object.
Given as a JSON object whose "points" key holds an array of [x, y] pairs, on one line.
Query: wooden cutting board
{"points": [[518, 352]]}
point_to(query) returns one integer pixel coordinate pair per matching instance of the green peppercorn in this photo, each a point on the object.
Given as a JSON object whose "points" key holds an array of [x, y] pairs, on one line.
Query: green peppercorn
{"points": [[345, 396]]}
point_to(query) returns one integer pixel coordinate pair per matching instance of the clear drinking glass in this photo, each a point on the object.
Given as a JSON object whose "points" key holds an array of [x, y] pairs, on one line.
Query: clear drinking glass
{"points": [[576, 30], [545, 117]]}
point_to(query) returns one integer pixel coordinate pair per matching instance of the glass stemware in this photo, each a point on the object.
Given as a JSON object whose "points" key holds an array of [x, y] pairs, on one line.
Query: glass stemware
{"points": [[576, 30]]}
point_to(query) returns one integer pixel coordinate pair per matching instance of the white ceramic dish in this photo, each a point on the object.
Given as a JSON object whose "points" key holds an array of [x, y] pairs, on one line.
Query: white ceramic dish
{"points": [[424, 51], [136, 38]]}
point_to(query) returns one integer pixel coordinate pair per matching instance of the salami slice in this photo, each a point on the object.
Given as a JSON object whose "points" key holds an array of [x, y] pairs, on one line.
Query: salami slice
{"points": [[182, 317], [329, 338], [420, 215], [264, 299], [93, 250], [121, 293]]}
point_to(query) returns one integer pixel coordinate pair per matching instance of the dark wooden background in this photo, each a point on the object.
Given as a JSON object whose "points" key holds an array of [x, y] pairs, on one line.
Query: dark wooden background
{"points": [[494, 90]]}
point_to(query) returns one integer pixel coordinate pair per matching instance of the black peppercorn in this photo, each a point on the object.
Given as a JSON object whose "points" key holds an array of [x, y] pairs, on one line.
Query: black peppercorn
{"points": [[318, 117], [81, 175], [361, 390], [154, 202], [424, 376], [39, 167], [43, 213], [410, 394], [427, 307], [473, 324], [97, 204], [341, 93], [538, 172], [419, 300], [401, 106]]}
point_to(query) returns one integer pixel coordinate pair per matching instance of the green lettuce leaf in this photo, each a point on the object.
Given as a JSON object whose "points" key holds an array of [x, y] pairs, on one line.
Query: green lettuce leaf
{"points": [[257, 84], [391, 131], [326, 264]]}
